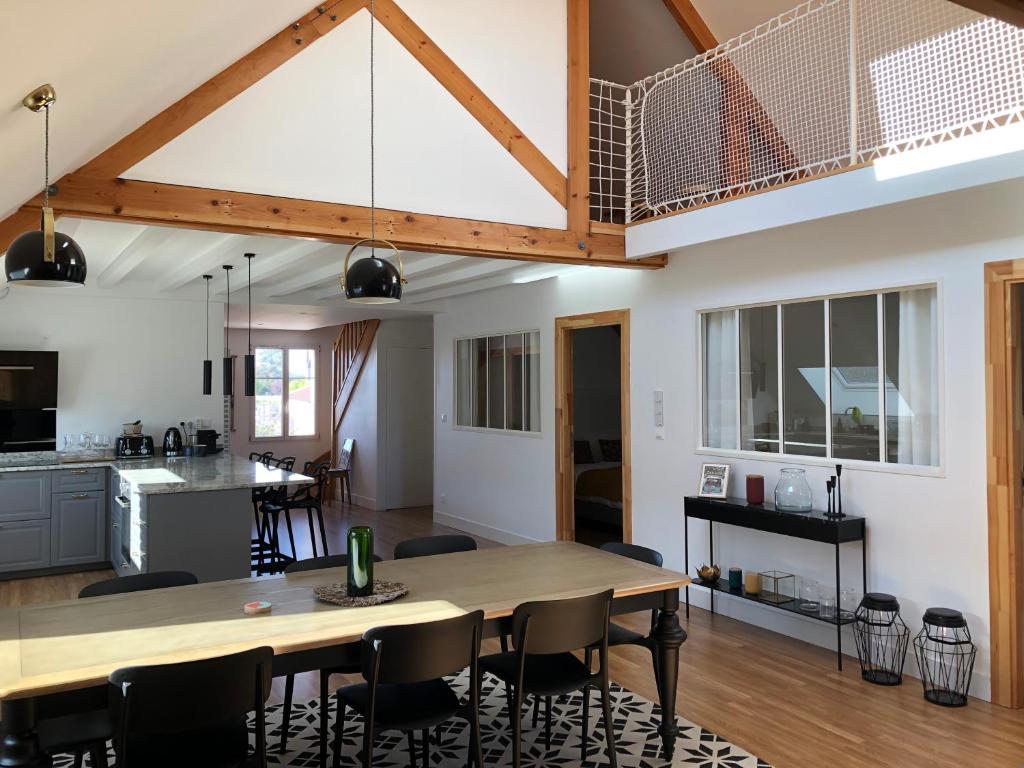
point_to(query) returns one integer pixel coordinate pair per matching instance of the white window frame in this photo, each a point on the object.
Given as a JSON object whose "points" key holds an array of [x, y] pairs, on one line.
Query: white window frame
{"points": [[827, 461], [539, 432], [285, 437]]}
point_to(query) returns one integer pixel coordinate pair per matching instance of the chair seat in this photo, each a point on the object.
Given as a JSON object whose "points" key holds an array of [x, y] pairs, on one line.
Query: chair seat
{"points": [[546, 675], [209, 748], [619, 635], [62, 734], [407, 707], [283, 504]]}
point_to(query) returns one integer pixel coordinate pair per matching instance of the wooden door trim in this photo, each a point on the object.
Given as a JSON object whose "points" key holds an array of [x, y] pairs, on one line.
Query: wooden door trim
{"points": [[564, 476], [1003, 442]]}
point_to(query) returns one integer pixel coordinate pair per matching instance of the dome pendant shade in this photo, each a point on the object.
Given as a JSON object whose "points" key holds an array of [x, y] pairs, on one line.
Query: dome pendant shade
{"points": [[26, 262], [372, 280]]}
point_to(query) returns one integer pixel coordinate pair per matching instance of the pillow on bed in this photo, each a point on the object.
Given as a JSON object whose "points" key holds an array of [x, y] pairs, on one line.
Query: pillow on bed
{"points": [[611, 450], [581, 452]]}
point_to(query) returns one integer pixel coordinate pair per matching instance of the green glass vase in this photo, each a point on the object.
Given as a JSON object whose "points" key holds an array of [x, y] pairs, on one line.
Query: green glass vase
{"points": [[360, 561]]}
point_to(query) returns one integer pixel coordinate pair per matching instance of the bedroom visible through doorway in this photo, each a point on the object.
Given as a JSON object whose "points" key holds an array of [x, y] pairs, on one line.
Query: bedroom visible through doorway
{"points": [[592, 445]]}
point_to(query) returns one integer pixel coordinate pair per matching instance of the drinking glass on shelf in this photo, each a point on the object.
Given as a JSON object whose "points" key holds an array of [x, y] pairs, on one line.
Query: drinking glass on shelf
{"points": [[69, 442], [809, 592], [848, 601], [101, 441], [85, 441], [828, 606]]}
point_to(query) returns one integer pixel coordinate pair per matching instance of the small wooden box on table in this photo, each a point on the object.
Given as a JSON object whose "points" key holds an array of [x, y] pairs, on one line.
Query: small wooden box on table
{"points": [[810, 526]]}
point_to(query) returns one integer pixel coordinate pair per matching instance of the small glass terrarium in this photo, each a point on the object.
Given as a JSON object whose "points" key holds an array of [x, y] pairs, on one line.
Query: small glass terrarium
{"points": [[777, 587]]}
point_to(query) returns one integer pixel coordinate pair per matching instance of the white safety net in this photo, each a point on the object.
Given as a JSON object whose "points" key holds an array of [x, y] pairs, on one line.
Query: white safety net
{"points": [[826, 86]]}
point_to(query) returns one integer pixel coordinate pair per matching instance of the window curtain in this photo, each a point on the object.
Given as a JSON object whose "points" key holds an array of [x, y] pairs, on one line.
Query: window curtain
{"points": [[720, 377], [917, 410]]}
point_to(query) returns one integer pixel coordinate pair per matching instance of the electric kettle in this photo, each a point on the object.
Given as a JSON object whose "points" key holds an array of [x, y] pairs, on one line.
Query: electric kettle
{"points": [[172, 443]]}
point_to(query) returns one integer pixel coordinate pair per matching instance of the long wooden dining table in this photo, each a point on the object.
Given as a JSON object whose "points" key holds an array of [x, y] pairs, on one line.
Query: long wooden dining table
{"points": [[62, 647]]}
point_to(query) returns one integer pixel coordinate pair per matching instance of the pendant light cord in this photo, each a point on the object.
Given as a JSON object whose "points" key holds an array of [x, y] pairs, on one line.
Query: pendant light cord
{"points": [[373, 198], [46, 156]]}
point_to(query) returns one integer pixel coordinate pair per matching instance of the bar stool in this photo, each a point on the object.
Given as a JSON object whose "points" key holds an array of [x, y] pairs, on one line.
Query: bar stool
{"points": [[308, 498], [269, 520]]}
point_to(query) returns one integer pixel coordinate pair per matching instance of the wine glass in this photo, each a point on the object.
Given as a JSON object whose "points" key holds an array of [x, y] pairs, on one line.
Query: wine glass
{"points": [[85, 441], [69, 442]]}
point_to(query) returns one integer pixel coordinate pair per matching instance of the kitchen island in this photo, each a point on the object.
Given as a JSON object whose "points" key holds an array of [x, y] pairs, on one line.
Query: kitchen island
{"points": [[140, 515]]}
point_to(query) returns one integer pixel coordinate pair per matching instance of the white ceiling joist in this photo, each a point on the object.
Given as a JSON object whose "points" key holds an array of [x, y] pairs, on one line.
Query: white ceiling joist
{"points": [[145, 243]]}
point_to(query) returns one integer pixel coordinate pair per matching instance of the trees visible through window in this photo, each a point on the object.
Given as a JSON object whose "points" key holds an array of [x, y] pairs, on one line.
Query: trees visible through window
{"points": [[285, 393], [497, 382], [849, 377]]}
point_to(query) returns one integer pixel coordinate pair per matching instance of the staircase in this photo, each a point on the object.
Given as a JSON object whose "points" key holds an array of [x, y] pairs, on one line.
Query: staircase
{"points": [[348, 357]]}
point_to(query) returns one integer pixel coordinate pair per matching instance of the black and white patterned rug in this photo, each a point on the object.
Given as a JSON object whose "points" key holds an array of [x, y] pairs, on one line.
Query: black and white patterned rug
{"points": [[638, 744]]}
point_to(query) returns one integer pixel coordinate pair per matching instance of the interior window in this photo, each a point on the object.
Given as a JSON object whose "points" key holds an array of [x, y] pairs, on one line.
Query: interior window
{"points": [[497, 382]]}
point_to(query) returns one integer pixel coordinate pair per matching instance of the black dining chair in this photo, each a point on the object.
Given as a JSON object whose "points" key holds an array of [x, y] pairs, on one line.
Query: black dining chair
{"points": [[192, 713], [78, 722], [308, 498], [140, 582], [404, 668], [619, 635], [268, 544], [347, 663], [544, 635], [434, 545]]}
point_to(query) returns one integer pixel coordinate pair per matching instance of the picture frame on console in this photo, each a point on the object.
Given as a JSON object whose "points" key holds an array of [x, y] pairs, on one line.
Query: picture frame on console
{"points": [[714, 481]]}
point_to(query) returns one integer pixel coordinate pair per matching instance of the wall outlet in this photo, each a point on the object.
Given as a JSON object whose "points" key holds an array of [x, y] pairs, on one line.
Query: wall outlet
{"points": [[444, 418]]}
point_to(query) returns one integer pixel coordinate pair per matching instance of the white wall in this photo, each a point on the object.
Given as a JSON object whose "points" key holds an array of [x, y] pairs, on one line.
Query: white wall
{"points": [[366, 420], [927, 534], [119, 359], [305, 448]]}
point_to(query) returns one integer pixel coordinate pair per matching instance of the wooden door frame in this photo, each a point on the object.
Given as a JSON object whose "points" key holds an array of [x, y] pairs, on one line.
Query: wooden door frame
{"points": [[1004, 417], [565, 479]]}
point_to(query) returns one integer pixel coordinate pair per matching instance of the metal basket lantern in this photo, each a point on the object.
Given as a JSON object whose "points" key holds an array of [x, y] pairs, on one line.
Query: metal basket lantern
{"points": [[945, 655], [882, 639]]}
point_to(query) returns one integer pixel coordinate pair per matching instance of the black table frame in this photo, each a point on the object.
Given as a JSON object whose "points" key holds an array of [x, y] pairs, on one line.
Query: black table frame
{"points": [[19, 747], [812, 526]]}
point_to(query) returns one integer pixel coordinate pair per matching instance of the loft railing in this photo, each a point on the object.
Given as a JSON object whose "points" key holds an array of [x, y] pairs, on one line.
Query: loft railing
{"points": [[825, 87]]}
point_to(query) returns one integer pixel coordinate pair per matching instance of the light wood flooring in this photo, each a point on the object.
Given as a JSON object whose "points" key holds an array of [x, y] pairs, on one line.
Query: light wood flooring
{"points": [[777, 697]]}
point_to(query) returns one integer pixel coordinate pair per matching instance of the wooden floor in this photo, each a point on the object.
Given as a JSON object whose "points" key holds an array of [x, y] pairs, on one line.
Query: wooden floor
{"points": [[777, 697]]}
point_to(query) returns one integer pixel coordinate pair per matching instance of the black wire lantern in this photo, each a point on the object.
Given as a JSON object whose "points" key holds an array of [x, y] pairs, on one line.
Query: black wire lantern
{"points": [[945, 656], [882, 639]]}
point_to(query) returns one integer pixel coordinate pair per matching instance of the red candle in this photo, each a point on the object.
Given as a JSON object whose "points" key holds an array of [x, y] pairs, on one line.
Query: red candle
{"points": [[755, 489]]}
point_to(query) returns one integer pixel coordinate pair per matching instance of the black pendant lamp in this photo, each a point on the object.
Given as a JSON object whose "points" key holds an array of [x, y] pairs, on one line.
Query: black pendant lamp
{"points": [[207, 363], [45, 257], [250, 358], [372, 280], [228, 390]]}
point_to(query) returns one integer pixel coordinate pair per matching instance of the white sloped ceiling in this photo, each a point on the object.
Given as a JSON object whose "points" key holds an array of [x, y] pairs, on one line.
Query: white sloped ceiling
{"points": [[303, 132]]}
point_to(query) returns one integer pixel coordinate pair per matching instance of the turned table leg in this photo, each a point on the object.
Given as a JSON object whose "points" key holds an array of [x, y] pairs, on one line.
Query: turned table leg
{"points": [[20, 745], [668, 636]]}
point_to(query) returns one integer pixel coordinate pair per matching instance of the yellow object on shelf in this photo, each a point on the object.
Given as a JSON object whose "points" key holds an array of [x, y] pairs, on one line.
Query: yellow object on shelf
{"points": [[752, 582]]}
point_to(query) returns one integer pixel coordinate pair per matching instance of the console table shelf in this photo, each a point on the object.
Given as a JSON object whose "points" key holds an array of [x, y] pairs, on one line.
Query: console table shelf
{"points": [[809, 526]]}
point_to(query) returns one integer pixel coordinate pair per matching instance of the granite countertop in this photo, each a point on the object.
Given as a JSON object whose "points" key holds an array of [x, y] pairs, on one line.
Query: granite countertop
{"points": [[161, 474]]}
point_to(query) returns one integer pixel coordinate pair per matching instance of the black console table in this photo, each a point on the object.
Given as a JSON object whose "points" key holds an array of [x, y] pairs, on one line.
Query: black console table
{"points": [[811, 526]]}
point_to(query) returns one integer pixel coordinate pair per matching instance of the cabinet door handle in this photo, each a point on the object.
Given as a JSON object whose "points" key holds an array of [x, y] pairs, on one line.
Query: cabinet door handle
{"points": [[113, 525], [79, 471], [80, 496]]}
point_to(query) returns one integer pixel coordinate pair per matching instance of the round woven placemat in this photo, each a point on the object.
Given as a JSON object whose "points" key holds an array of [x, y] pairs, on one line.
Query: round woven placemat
{"points": [[383, 592]]}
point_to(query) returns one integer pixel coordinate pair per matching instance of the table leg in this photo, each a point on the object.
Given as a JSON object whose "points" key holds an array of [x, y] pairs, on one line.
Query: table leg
{"points": [[839, 624], [20, 745], [668, 636], [686, 558], [711, 558]]}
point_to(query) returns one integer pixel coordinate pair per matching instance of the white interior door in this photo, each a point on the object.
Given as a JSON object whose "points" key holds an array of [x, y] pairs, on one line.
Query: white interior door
{"points": [[409, 438]]}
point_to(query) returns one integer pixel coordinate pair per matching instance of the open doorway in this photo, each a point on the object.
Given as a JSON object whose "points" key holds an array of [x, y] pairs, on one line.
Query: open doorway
{"points": [[592, 449]]}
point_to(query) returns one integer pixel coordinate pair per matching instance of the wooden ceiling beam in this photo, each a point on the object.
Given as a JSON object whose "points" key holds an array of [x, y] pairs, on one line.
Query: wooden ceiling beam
{"points": [[578, 24], [469, 95], [254, 214], [693, 25], [1010, 11]]}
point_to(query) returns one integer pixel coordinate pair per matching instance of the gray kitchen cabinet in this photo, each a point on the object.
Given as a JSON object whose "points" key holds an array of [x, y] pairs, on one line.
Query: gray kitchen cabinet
{"points": [[78, 528], [79, 479], [24, 495], [24, 545]]}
